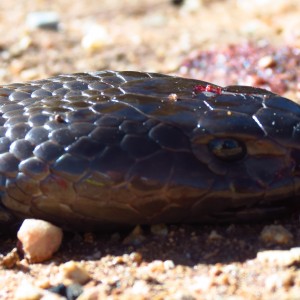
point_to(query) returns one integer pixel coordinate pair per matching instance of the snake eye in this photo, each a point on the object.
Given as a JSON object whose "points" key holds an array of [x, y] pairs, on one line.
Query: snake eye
{"points": [[227, 149]]}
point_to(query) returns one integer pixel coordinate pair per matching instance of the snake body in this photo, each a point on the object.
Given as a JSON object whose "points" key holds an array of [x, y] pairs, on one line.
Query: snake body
{"points": [[102, 149]]}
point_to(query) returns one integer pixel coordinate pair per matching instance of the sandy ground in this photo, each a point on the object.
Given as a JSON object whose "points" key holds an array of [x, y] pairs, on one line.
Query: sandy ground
{"points": [[168, 262]]}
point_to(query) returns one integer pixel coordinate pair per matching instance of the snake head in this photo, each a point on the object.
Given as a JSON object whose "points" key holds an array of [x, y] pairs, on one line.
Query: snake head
{"points": [[248, 141], [127, 148]]}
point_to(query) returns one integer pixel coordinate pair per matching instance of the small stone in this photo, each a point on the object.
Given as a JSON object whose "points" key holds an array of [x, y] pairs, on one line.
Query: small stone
{"points": [[43, 20], [157, 266], [95, 39], [27, 291], [276, 234], [20, 46], [201, 283], [278, 281], [43, 283], [136, 257], [140, 288], [71, 291], [169, 264], [280, 257], [59, 289], [119, 260], [10, 259], [191, 6], [39, 239], [74, 272], [30, 74], [265, 62]]}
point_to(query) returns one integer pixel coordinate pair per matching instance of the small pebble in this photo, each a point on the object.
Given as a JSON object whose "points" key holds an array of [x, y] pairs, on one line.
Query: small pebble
{"points": [[276, 234], [43, 20], [74, 272], [30, 74], [10, 259], [71, 292], [39, 240], [169, 264], [136, 257], [140, 288], [27, 291], [279, 280], [157, 266], [280, 257], [265, 62], [95, 39], [202, 283], [191, 6]]}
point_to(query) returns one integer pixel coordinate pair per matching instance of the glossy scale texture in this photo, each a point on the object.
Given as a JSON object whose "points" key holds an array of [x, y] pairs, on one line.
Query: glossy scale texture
{"points": [[114, 149]]}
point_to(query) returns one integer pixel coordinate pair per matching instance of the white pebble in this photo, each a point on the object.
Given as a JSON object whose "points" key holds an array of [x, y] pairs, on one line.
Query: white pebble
{"points": [[43, 19], [279, 257], [27, 291], [95, 39], [40, 239]]}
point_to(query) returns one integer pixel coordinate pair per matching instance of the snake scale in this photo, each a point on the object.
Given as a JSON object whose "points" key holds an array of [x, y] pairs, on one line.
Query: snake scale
{"points": [[112, 149]]}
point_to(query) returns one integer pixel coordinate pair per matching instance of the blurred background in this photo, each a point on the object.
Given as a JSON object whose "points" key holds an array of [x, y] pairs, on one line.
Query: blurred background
{"points": [[225, 41]]}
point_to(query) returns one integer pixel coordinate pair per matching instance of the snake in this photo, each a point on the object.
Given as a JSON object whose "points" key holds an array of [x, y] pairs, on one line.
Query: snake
{"points": [[119, 148]]}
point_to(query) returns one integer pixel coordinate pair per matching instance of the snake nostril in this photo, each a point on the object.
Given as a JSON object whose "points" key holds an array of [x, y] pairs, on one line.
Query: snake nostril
{"points": [[227, 149]]}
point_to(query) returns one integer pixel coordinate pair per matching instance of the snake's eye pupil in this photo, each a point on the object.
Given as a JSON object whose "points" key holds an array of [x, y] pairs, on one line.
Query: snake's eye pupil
{"points": [[227, 149]]}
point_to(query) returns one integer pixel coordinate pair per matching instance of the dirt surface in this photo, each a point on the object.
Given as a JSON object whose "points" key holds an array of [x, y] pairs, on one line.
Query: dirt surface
{"points": [[164, 262]]}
